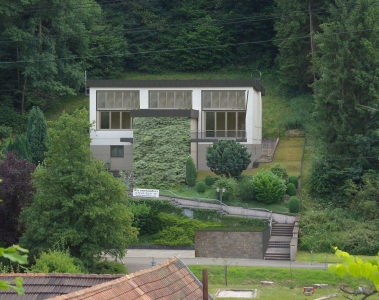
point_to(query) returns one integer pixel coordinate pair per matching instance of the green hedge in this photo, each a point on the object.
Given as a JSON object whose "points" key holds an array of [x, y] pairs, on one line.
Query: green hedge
{"points": [[160, 150]]}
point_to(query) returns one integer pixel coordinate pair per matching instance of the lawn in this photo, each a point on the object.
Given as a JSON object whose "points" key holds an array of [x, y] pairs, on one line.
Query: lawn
{"points": [[245, 278]]}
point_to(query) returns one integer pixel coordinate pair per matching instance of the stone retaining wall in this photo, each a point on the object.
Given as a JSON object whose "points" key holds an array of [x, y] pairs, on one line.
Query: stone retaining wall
{"points": [[231, 244]]}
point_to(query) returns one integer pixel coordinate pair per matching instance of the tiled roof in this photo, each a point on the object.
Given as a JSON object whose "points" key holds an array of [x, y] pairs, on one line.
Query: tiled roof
{"points": [[169, 280], [46, 286]]}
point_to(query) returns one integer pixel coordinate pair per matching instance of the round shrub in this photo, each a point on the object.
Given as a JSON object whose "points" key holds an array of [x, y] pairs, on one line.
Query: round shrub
{"points": [[293, 205], [268, 187], [200, 187], [246, 189], [209, 180], [291, 189], [230, 185], [280, 171], [55, 261], [108, 267], [293, 179]]}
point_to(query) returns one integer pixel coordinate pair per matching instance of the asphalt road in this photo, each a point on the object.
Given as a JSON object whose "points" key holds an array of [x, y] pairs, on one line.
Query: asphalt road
{"points": [[140, 259]]}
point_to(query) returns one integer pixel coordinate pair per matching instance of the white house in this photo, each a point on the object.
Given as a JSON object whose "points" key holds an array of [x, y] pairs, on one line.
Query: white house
{"points": [[218, 109]]}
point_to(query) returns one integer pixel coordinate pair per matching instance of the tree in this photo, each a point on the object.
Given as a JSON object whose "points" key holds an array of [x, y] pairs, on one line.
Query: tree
{"points": [[347, 63], [20, 146], [357, 267], [268, 187], [16, 192], [37, 135], [191, 172], [227, 157], [78, 203]]}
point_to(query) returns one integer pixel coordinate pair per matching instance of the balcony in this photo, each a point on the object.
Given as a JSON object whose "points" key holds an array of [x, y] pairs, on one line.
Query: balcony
{"points": [[215, 135]]}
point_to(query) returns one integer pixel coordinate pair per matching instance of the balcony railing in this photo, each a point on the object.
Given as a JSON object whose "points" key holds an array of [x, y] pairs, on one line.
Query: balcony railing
{"points": [[218, 134]]}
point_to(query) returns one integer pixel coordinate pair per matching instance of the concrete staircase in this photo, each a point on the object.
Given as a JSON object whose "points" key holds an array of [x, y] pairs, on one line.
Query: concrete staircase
{"points": [[279, 243]]}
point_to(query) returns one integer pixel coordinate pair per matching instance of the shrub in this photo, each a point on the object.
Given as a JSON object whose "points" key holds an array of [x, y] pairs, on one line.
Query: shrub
{"points": [[108, 267], [268, 187], [280, 171], [5, 132], [191, 172], [246, 189], [230, 185], [55, 261], [293, 205], [293, 179], [291, 189], [209, 181], [200, 187]]}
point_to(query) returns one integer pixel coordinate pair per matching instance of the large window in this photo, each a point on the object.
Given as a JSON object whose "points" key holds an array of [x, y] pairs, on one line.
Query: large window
{"points": [[230, 124], [114, 108], [170, 99], [223, 100]]}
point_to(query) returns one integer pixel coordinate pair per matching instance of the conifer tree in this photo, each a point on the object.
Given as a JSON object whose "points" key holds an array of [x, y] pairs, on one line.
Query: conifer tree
{"points": [[37, 135], [191, 172]]}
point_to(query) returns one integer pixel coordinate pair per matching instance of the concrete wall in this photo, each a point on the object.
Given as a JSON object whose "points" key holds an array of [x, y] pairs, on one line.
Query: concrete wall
{"points": [[103, 153], [231, 244]]}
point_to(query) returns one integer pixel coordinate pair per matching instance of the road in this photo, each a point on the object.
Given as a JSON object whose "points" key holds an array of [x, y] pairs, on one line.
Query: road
{"points": [[140, 259]]}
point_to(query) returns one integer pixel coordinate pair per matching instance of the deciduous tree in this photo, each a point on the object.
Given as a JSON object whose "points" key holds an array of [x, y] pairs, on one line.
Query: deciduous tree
{"points": [[77, 201]]}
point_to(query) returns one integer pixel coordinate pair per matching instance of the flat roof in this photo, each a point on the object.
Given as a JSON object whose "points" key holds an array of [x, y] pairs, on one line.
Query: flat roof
{"points": [[178, 83]]}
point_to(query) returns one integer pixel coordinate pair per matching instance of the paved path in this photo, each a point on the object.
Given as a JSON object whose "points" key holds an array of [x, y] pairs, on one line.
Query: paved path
{"points": [[140, 259]]}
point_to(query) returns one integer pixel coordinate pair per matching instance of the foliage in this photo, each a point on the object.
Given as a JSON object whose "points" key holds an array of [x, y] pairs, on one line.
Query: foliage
{"points": [[230, 185], [268, 187], [357, 267], [191, 172], [346, 67], [160, 151], [108, 267], [16, 192], [146, 214], [293, 179], [55, 261], [246, 189], [5, 132], [77, 200], [209, 181], [177, 230], [230, 221], [322, 228], [36, 133], [280, 171], [291, 189], [16, 254], [19, 145], [228, 158], [293, 205], [200, 187]]}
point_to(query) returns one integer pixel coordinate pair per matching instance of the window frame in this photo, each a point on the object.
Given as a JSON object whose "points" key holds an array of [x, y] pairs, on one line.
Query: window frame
{"points": [[118, 148], [216, 100], [163, 96]]}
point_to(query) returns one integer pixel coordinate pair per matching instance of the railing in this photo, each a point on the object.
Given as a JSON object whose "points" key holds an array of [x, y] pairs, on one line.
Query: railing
{"points": [[218, 134]]}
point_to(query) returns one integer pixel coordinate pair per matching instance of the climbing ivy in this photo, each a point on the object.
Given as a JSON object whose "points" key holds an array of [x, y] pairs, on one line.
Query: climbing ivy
{"points": [[160, 149]]}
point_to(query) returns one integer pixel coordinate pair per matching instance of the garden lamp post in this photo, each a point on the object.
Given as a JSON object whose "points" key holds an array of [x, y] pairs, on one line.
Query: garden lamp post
{"points": [[221, 190]]}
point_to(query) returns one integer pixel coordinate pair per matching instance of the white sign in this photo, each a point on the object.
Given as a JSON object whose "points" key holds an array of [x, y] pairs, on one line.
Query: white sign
{"points": [[148, 193]]}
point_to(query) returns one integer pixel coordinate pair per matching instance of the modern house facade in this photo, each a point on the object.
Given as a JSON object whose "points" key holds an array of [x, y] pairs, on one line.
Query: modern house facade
{"points": [[216, 109]]}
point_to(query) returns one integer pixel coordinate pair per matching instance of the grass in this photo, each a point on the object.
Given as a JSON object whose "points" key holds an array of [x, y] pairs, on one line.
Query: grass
{"points": [[284, 278], [67, 104], [305, 256]]}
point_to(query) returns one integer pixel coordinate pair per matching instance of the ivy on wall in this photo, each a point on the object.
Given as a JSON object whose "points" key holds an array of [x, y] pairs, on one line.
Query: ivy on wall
{"points": [[160, 150]]}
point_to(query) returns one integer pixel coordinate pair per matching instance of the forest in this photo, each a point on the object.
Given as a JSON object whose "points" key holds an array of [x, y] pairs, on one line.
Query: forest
{"points": [[327, 49]]}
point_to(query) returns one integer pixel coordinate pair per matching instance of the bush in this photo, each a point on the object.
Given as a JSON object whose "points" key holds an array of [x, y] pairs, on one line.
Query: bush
{"points": [[200, 187], [293, 179], [55, 261], [108, 267], [268, 187], [293, 205], [209, 181], [291, 189], [5, 132], [280, 171], [230, 185], [191, 172], [246, 189]]}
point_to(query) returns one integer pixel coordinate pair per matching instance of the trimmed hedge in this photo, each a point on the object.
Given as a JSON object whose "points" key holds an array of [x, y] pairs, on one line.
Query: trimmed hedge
{"points": [[293, 205], [291, 189]]}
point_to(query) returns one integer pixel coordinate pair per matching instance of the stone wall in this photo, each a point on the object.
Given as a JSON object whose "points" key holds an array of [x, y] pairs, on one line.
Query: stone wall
{"points": [[231, 244]]}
